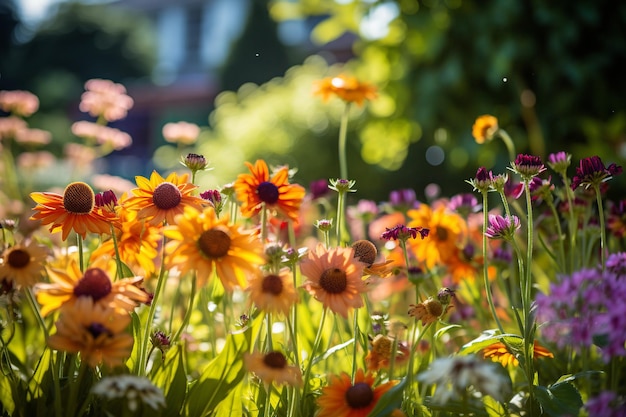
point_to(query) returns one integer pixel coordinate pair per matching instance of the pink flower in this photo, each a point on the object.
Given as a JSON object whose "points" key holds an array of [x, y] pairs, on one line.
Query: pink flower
{"points": [[104, 135], [18, 102], [33, 136], [9, 126], [105, 99], [181, 132]]}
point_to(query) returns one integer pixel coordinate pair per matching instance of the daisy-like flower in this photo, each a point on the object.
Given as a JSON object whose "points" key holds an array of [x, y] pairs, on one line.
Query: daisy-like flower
{"points": [[447, 231], [484, 128], [347, 88], [342, 398], [137, 242], [379, 355], [158, 199], [501, 227], [96, 331], [273, 293], [106, 99], [498, 352], [23, 264], [366, 252], [527, 166], [272, 367], [70, 285], [202, 242], [75, 210], [334, 277], [592, 172], [256, 188], [455, 375], [136, 391], [429, 310]]}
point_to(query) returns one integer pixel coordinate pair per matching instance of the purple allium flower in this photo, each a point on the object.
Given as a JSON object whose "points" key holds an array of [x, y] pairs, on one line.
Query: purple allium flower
{"points": [[616, 263], [581, 310], [501, 227], [401, 232], [318, 188], [403, 199], [591, 172], [606, 404], [527, 166]]}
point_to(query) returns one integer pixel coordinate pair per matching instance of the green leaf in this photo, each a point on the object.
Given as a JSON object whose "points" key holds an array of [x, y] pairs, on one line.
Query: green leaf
{"points": [[6, 395], [221, 376], [490, 337], [445, 329], [172, 379], [493, 407], [560, 399], [390, 401], [232, 406]]}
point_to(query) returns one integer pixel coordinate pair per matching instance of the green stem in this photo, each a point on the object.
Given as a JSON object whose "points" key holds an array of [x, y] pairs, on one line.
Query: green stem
{"points": [[343, 134], [486, 263], [81, 261], [268, 401], [510, 146], [571, 220], [118, 259], [142, 362], [33, 304], [602, 226], [75, 386], [263, 223], [316, 345], [559, 232], [356, 339], [268, 337], [341, 196], [192, 297], [526, 302]]}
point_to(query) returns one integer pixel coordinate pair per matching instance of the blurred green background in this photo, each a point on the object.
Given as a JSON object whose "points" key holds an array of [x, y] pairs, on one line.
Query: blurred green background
{"points": [[551, 72]]}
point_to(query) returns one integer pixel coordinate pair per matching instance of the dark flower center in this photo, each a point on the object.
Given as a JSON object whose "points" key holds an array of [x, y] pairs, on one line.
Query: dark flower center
{"points": [[166, 196], [214, 243], [18, 258], [365, 251], [275, 360], [97, 329], [272, 284], [268, 192], [433, 307], [334, 281], [78, 198], [359, 395], [95, 283], [442, 234]]}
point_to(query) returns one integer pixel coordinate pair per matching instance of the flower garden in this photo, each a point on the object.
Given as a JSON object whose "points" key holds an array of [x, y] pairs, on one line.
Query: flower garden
{"points": [[263, 297]]}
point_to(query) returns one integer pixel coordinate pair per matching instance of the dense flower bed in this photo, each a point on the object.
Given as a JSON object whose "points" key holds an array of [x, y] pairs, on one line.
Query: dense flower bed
{"points": [[264, 297]]}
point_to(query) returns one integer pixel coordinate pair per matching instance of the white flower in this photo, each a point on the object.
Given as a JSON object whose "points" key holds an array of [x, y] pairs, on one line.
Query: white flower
{"points": [[454, 375], [133, 389]]}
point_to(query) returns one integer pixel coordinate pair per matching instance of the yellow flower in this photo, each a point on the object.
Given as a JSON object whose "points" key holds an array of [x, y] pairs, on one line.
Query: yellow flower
{"points": [[258, 187], [334, 277], [342, 398], [498, 352], [70, 285], [137, 242], [204, 243], [23, 264], [447, 231], [159, 199], [272, 367], [347, 88], [74, 210], [95, 330], [273, 293], [484, 128], [428, 311]]}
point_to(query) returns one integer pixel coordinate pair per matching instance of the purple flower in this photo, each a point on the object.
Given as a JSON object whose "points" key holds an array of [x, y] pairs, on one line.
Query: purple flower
{"points": [[403, 199], [527, 166], [616, 263], [606, 404], [106, 200], [319, 188], [559, 161], [464, 204], [591, 172], [501, 227], [401, 232]]}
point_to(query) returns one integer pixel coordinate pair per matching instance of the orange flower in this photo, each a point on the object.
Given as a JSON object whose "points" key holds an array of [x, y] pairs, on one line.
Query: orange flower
{"points": [[379, 355], [23, 264], [334, 277], [94, 330], [498, 352], [428, 311], [137, 242], [342, 398], [69, 285], [272, 368], [484, 128], [256, 188], [204, 243], [74, 210], [159, 199], [447, 231], [347, 88], [273, 293]]}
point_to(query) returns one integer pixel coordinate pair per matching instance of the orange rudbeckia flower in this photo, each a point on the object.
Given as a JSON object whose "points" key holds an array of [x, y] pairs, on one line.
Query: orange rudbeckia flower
{"points": [[498, 352], [158, 199], [484, 128], [258, 187], [347, 88], [74, 210]]}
